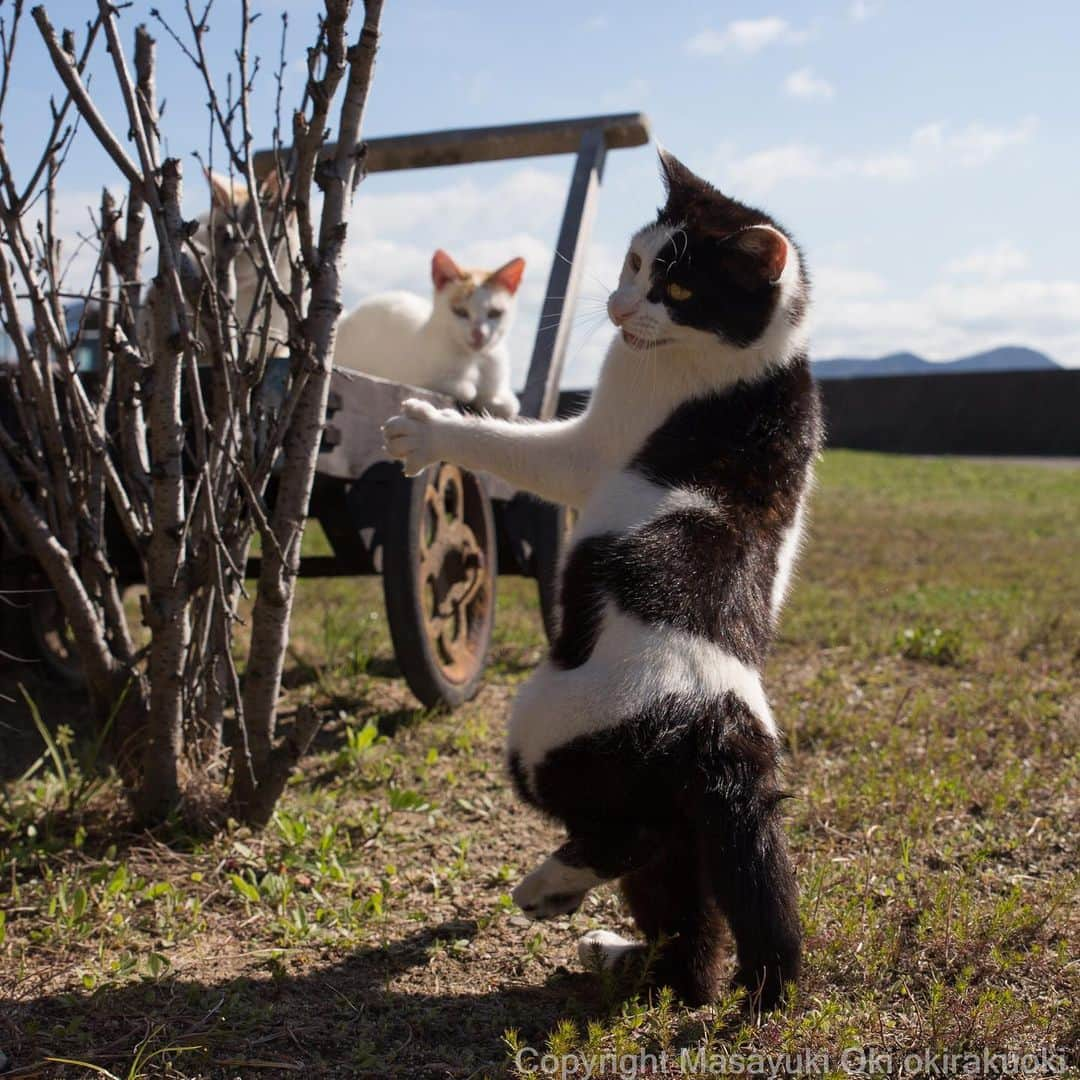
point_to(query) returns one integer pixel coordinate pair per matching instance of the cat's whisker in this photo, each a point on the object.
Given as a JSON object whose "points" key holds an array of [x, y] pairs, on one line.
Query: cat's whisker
{"points": [[577, 320], [568, 262]]}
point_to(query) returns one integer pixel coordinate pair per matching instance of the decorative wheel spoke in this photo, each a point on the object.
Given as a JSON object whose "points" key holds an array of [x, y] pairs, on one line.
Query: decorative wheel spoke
{"points": [[454, 572], [440, 561]]}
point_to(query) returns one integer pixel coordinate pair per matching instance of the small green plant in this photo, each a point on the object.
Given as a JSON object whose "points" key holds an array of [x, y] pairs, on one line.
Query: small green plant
{"points": [[933, 644], [358, 741]]}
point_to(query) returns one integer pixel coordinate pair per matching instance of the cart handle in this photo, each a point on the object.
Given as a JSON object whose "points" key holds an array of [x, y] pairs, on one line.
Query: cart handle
{"points": [[467, 145], [590, 137]]}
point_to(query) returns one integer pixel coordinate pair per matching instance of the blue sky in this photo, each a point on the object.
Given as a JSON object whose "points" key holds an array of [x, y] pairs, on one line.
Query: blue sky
{"points": [[925, 156]]}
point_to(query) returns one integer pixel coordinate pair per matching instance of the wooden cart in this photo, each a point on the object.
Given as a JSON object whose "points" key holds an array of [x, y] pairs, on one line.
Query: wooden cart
{"points": [[441, 539]]}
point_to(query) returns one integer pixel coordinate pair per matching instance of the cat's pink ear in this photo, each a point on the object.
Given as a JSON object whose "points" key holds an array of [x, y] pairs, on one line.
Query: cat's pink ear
{"points": [[273, 187], [444, 269], [768, 246], [508, 277], [226, 194]]}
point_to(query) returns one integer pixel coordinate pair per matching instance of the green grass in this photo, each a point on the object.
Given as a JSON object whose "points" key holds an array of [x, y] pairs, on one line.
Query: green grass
{"points": [[926, 675]]}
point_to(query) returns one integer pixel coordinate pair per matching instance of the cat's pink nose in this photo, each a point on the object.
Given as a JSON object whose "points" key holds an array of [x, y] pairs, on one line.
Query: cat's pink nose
{"points": [[621, 308], [477, 338]]}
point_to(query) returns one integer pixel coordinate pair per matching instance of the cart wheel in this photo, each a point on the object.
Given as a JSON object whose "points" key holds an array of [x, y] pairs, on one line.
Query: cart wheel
{"points": [[439, 571], [51, 639], [551, 537]]}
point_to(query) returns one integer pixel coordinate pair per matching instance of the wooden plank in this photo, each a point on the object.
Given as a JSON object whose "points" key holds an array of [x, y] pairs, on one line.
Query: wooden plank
{"points": [[467, 145], [360, 405], [364, 403], [540, 397]]}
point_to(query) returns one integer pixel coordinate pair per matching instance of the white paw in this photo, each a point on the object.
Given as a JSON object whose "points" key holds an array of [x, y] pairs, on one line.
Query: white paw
{"points": [[412, 435], [504, 408], [603, 950], [554, 888], [465, 392]]}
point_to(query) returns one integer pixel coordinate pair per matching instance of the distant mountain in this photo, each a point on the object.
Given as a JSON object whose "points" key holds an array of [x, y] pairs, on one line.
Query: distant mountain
{"points": [[1007, 358]]}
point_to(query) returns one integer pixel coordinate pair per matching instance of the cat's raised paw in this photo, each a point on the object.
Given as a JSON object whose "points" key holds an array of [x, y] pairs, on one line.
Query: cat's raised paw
{"points": [[410, 436], [553, 888], [418, 409]]}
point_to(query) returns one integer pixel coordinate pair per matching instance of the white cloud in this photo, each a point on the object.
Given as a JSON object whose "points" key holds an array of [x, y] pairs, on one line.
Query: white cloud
{"points": [[992, 262], [742, 35], [861, 10], [947, 319], [846, 282], [805, 84], [930, 147], [974, 145], [764, 170]]}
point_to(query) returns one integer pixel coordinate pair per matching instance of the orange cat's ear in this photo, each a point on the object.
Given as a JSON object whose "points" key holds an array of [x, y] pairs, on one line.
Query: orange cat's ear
{"points": [[272, 187], [508, 277], [444, 269], [226, 194]]}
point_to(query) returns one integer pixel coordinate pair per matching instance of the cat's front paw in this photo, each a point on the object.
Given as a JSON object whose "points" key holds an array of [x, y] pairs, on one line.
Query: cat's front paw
{"points": [[412, 436], [552, 889], [503, 408]]}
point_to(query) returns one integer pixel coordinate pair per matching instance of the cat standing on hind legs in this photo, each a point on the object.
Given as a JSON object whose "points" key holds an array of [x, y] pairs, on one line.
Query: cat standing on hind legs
{"points": [[647, 731]]}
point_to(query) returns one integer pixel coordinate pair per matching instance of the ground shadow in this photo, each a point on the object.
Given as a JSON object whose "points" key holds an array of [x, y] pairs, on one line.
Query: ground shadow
{"points": [[57, 703], [343, 1019]]}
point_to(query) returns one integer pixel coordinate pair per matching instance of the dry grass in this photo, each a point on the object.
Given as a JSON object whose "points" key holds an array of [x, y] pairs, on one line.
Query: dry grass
{"points": [[927, 675]]}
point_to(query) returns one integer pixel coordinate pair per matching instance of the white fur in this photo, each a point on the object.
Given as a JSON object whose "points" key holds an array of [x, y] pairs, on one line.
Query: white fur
{"points": [[631, 666], [554, 888], [419, 342], [786, 557], [604, 950], [627, 500]]}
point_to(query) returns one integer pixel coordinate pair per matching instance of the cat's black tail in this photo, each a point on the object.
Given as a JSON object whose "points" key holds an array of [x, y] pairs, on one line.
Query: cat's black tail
{"points": [[745, 862]]}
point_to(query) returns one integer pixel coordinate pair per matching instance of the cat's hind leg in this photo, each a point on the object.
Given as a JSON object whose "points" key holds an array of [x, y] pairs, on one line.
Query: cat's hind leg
{"points": [[746, 866], [682, 924]]}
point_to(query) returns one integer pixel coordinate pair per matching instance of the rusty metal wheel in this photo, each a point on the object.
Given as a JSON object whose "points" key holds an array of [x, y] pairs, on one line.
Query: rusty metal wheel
{"points": [[439, 574]]}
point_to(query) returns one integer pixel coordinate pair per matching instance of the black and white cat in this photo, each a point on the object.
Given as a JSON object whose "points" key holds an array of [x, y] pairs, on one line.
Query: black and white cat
{"points": [[646, 732]]}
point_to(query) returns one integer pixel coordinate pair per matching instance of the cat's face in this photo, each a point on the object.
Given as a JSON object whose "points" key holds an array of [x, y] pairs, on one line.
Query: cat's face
{"points": [[709, 270], [476, 305], [230, 202]]}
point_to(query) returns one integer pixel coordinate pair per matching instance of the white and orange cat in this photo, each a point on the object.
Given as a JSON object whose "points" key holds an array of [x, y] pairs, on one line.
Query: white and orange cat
{"points": [[453, 343]]}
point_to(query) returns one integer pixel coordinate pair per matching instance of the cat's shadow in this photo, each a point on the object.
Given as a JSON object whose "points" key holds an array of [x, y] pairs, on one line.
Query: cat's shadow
{"points": [[346, 1017]]}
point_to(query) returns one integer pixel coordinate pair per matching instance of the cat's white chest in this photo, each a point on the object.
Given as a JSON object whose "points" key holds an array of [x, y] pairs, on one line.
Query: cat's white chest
{"points": [[627, 499]]}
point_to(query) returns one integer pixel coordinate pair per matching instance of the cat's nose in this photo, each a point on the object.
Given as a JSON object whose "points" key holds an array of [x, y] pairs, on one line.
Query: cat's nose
{"points": [[476, 338], [621, 308]]}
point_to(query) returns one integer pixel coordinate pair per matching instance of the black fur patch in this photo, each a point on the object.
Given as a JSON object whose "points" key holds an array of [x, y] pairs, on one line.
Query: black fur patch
{"points": [[731, 291], [749, 450], [519, 779], [682, 802]]}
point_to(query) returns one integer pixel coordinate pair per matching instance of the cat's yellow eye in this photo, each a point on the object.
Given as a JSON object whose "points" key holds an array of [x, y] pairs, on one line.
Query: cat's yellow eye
{"points": [[460, 312], [678, 292]]}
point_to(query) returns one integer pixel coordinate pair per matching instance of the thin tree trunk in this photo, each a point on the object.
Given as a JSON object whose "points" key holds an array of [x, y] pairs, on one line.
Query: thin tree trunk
{"points": [[167, 606], [280, 562]]}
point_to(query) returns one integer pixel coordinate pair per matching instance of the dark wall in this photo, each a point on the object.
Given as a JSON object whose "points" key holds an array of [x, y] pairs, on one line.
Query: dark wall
{"points": [[1005, 412]]}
